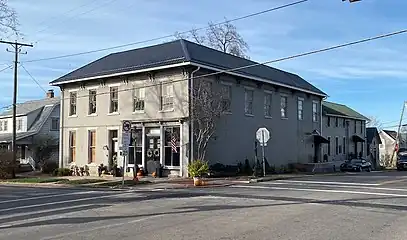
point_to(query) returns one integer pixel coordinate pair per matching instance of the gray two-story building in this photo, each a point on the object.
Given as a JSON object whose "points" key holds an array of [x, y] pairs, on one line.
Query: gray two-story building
{"points": [[345, 130], [154, 88]]}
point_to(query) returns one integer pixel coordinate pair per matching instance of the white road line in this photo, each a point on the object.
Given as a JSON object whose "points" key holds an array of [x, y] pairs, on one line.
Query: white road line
{"points": [[98, 228], [340, 186], [323, 190], [65, 201], [334, 183], [45, 196]]}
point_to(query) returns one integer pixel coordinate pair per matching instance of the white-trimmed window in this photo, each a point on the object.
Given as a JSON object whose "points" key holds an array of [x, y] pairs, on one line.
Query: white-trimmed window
{"points": [[5, 126], [329, 146], [114, 100], [72, 146], [283, 106], [268, 101], [315, 111], [54, 124], [1, 126], [226, 95], [300, 108], [138, 99], [72, 103], [92, 101], [167, 96], [336, 145], [92, 146], [19, 124], [248, 101], [344, 145]]}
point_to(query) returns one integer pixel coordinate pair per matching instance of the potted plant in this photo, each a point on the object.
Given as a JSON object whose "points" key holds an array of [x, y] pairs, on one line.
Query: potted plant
{"points": [[197, 169]]}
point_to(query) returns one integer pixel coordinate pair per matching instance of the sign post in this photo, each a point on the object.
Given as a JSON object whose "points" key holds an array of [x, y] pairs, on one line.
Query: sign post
{"points": [[263, 135], [126, 128]]}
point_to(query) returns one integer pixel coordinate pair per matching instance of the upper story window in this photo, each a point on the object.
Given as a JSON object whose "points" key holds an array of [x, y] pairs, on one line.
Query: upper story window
{"points": [[315, 111], [248, 101], [72, 103], [283, 106], [336, 122], [54, 124], [328, 123], [267, 104], [114, 100], [92, 101], [19, 124], [354, 127], [300, 108], [226, 95], [5, 126], [343, 122], [361, 127], [167, 96], [138, 99], [1, 125]]}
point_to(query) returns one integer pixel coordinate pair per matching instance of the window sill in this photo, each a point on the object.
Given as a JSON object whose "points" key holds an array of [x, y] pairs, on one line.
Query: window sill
{"points": [[171, 167], [92, 115], [284, 118], [167, 110], [269, 117], [113, 114], [54, 130], [249, 115], [73, 116], [139, 112], [227, 113]]}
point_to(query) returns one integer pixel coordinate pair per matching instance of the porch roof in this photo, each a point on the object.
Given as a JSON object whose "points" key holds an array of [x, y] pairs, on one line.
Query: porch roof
{"points": [[7, 137]]}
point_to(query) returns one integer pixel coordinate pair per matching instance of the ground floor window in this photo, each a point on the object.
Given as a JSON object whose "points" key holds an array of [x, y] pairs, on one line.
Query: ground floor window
{"points": [[92, 145], [136, 149], [72, 146], [172, 146]]}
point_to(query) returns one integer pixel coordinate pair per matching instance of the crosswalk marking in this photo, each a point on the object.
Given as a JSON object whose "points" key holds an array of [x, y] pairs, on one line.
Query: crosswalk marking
{"points": [[45, 196], [322, 190], [333, 183]]}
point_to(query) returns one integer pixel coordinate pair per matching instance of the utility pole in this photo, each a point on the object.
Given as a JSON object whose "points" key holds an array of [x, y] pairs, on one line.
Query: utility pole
{"points": [[16, 50], [397, 146]]}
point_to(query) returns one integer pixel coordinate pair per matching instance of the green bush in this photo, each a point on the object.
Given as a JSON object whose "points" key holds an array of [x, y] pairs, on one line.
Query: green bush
{"points": [[62, 172], [198, 168], [49, 167]]}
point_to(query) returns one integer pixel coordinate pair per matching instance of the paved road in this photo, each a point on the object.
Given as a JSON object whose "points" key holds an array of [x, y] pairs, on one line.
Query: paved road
{"points": [[355, 206]]}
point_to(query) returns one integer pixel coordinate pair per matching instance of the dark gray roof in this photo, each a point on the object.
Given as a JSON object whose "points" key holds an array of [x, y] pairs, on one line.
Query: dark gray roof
{"points": [[372, 132], [180, 51], [392, 134], [341, 110], [41, 118], [30, 106]]}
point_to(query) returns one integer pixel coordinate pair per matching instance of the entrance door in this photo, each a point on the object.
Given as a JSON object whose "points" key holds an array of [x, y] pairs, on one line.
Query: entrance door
{"points": [[153, 146], [113, 147]]}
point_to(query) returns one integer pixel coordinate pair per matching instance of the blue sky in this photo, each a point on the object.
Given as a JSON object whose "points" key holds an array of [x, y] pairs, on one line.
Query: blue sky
{"points": [[370, 77]]}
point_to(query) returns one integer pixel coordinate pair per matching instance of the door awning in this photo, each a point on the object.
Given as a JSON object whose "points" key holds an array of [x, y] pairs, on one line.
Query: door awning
{"points": [[318, 138], [357, 138]]}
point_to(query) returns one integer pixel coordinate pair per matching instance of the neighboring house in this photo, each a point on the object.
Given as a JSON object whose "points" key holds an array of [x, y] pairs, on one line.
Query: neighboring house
{"points": [[373, 142], [386, 149], [345, 130], [151, 87], [37, 120]]}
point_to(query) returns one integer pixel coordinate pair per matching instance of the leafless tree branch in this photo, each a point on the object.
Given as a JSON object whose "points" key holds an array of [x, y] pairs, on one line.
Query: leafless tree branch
{"points": [[8, 18], [374, 122]]}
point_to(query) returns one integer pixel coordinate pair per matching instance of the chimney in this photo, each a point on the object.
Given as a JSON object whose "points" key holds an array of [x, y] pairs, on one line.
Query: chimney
{"points": [[50, 93]]}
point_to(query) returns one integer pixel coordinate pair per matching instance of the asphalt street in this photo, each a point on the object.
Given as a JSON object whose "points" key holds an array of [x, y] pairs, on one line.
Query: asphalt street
{"points": [[354, 206]]}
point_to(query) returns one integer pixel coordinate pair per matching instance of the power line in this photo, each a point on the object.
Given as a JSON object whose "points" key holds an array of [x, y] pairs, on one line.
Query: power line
{"points": [[4, 69], [169, 35], [29, 74], [266, 62]]}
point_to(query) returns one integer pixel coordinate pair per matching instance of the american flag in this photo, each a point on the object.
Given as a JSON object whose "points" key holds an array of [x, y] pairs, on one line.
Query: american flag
{"points": [[173, 143]]}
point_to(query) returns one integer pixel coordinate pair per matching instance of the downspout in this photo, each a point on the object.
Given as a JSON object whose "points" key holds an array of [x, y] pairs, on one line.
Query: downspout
{"points": [[191, 109], [61, 130]]}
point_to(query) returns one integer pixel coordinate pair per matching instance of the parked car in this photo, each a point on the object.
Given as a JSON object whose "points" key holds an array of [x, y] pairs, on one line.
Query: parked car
{"points": [[356, 165], [402, 162]]}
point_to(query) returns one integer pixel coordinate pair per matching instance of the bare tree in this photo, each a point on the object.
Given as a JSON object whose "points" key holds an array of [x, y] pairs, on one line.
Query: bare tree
{"points": [[223, 37], [208, 107], [8, 18], [374, 122], [43, 148]]}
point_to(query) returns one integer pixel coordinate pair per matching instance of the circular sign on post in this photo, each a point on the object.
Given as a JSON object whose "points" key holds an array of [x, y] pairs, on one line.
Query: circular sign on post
{"points": [[263, 135], [126, 126]]}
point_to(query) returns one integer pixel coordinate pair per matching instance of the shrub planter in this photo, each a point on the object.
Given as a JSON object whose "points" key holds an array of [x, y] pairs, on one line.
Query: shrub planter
{"points": [[197, 181]]}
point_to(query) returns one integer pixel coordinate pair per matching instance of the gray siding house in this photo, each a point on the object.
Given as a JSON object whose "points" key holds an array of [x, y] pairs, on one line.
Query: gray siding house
{"points": [[154, 87], [345, 130], [37, 120]]}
